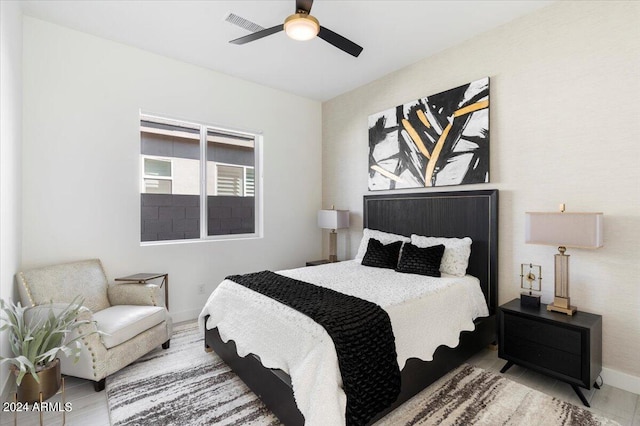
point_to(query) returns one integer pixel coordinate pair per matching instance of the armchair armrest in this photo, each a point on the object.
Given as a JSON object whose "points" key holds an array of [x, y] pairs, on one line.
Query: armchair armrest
{"points": [[91, 363], [38, 311], [135, 294], [89, 329]]}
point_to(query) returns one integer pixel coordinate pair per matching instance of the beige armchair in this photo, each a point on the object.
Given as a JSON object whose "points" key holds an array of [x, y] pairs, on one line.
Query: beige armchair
{"points": [[131, 316]]}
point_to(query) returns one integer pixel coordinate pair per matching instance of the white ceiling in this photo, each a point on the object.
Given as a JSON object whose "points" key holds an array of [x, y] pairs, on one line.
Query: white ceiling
{"points": [[393, 33]]}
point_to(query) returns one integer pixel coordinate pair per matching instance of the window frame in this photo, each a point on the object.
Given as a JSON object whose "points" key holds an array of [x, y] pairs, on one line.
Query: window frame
{"points": [[203, 140]]}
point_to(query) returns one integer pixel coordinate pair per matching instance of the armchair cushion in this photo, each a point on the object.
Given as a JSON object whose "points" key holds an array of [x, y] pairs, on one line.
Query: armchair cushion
{"points": [[123, 322]]}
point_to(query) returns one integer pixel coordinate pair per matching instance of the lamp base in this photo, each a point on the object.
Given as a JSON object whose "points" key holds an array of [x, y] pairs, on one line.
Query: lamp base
{"points": [[561, 304], [333, 246]]}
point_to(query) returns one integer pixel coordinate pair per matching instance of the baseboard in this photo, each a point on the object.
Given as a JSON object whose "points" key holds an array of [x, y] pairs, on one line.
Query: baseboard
{"points": [[621, 380], [187, 315]]}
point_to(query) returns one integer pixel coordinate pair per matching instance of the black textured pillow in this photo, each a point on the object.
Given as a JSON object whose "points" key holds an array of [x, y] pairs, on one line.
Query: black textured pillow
{"points": [[380, 256], [422, 261]]}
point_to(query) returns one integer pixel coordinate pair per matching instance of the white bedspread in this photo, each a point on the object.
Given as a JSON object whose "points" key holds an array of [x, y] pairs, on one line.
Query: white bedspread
{"points": [[425, 313]]}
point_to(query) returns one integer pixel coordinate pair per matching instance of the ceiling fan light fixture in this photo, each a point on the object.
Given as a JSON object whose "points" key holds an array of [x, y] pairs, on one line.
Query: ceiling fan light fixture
{"points": [[301, 26]]}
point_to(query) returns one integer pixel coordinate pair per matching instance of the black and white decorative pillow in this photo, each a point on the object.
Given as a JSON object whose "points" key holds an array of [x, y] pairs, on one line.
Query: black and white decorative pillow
{"points": [[422, 261], [379, 255]]}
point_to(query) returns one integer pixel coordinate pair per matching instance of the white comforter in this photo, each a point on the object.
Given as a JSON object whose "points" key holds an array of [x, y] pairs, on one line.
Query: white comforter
{"points": [[425, 313]]}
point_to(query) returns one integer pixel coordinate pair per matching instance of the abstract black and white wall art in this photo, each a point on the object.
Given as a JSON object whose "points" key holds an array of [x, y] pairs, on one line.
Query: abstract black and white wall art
{"points": [[437, 140]]}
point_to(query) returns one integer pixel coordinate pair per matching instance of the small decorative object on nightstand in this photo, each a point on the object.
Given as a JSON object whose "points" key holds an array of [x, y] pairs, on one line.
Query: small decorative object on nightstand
{"points": [[527, 282], [567, 348], [144, 277]]}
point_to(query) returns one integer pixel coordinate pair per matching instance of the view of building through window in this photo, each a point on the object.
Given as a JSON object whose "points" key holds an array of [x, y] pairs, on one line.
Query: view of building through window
{"points": [[174, 181]]}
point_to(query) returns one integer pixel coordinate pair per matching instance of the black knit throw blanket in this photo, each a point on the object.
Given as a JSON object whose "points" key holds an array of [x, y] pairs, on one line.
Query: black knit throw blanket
{"points": [[361, 333]]}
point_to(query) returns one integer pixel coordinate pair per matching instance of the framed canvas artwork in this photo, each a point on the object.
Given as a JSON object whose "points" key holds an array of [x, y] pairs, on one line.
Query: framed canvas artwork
{"points": [[438, 140]]}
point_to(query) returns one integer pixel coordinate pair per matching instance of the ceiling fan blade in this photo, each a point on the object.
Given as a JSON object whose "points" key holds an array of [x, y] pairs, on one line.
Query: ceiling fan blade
{"points": [[241, 22], [340, 42], [258, 35], [304, 5]]}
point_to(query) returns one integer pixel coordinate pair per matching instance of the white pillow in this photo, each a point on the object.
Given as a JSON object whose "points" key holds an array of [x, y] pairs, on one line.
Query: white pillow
{"points": [[384, 237], [456, 252]]}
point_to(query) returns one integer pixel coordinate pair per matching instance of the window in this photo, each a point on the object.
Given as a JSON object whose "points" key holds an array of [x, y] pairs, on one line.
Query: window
{"points": [[249, 182], [156, 176], [197, 181], [234, 180], [229, 180]]}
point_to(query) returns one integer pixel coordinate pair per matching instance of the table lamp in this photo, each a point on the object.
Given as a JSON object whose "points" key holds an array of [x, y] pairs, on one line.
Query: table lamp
{"points": [[577, 230], [333, 219]]}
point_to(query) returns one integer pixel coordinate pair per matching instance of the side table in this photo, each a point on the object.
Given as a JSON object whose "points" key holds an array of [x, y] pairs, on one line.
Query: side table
{"points": [[144, 277], [567, 348]]}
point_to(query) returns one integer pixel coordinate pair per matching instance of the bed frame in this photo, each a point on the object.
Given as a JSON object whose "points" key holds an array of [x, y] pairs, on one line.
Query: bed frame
{"points": [[443, 214]]}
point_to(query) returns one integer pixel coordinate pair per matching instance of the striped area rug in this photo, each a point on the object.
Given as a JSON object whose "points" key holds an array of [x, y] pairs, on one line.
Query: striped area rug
{"points": [[184, 385], [181, 386], [473, 396]]}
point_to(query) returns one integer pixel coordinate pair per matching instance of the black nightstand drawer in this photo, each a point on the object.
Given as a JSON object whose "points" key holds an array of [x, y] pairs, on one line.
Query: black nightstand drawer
{"points": [[545, 357], [564, 339]]}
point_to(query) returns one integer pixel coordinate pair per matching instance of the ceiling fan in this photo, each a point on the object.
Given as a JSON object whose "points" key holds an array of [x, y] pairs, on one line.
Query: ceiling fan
{"points": [[302, 26]]}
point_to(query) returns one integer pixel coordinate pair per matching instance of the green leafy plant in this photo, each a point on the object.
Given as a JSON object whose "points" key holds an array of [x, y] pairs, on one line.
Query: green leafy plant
{"points": [[37, 336]]}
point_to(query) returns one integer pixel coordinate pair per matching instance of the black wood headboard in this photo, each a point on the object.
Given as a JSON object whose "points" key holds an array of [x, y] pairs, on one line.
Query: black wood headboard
{"points": [[459, 214]]}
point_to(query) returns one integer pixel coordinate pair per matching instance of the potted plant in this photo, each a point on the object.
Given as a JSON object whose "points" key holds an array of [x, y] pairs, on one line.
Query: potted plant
{"points": [[36, 336]]}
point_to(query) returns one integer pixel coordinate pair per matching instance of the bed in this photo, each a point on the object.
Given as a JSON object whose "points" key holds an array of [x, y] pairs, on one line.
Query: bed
{"points": [[446, 214]]}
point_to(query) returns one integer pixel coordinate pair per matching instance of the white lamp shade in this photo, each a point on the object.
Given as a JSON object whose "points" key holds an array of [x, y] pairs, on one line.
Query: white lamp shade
{"points": [[580, 230], [333, 219]]}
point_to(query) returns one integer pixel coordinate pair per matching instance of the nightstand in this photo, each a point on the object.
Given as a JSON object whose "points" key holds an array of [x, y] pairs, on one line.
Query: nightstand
{"points": [[317, 262], [567, 348]]}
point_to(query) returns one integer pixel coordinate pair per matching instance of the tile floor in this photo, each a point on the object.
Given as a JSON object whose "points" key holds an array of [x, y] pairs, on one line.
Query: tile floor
{"points": [[90, 408]]}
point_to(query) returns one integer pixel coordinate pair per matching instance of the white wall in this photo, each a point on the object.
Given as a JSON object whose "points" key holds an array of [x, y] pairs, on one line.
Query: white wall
{"points": [[81, 196], [10, 154], [565, 128]]}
